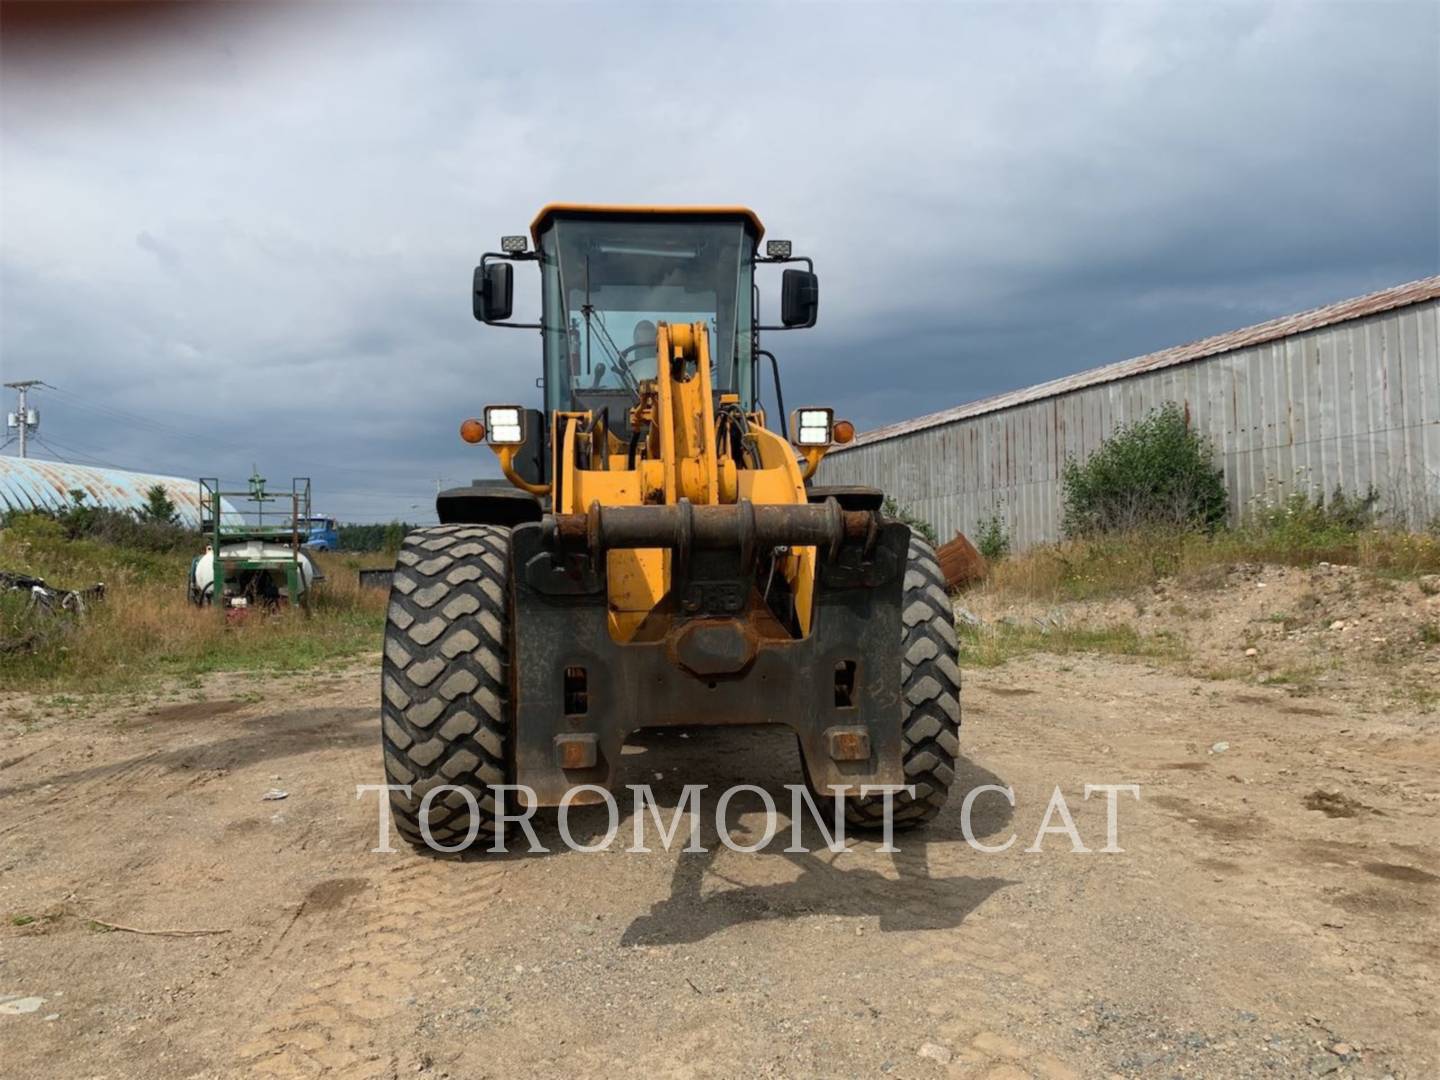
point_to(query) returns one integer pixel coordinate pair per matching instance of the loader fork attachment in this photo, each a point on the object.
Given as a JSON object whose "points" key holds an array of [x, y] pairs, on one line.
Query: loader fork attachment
{"points": [[713, 652]]}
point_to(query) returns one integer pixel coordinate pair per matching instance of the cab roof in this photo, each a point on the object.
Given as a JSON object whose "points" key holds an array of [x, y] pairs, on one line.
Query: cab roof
{"points": [[606, 210]]}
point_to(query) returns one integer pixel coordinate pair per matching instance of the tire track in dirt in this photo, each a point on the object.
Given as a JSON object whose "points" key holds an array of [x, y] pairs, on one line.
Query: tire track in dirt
{"points": [[93, 790], [360, 943]]}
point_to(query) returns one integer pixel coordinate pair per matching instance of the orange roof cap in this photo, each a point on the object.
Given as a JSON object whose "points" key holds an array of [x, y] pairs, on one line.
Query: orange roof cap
{"points": [[552, 209]]}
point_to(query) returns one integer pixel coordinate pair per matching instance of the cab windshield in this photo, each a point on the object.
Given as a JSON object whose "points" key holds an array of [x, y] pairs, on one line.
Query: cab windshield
{"points": [[607, 285]]}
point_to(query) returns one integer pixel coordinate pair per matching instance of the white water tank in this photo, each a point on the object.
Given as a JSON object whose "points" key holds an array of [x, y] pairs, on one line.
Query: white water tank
{"points": [[202, 570]]}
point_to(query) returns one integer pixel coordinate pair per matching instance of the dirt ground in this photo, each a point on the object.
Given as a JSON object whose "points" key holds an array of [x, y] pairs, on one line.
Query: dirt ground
{"points": [[1274, 911]]}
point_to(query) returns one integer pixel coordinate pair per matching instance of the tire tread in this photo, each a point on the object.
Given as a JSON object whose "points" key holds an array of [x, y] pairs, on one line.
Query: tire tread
{"points": [[445, 698], [930, 690]]}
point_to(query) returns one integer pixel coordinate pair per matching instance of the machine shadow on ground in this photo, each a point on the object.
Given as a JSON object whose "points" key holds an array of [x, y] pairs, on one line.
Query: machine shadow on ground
{"points": [[912, 898], [912, 901]]}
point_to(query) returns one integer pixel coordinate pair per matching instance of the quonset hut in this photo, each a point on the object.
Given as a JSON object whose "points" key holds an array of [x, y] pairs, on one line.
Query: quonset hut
{"points": [[31, 484]]}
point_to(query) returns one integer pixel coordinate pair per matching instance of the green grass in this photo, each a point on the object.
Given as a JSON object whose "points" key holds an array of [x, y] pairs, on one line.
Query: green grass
{"points": [[146, 630], [1301, 679], [1425, 698], [1103, 567], [993, 645]]}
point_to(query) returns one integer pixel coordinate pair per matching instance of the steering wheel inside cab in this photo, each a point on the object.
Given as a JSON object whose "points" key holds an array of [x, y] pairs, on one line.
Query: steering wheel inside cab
{"points": [[622, 368]]}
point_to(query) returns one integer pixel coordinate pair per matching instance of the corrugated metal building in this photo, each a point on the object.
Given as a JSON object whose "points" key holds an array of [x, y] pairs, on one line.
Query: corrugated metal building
{"points": [[31, 484], [1347, 394]]}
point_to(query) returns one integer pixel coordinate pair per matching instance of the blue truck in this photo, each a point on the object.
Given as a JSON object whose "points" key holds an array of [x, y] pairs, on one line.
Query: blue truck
{"points": [[321, 534]]}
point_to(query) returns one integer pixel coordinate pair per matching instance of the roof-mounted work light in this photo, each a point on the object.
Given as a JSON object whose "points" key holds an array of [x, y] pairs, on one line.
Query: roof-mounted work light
{"points": [[777, 249], [513, 245]]}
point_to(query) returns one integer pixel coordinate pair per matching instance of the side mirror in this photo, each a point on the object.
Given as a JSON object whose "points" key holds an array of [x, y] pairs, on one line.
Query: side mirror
{"points": [[799, 298], [494, 292]]}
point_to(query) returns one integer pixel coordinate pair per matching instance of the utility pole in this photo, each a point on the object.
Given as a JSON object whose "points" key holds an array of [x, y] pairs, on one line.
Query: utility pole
{"points": [[24, 418]]}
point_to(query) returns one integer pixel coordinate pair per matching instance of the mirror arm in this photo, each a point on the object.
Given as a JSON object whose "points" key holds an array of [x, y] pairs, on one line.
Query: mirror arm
{"points": [[511, 256], [809, 262]]}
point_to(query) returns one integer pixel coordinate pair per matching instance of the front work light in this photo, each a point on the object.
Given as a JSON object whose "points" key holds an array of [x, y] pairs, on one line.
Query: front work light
{"points": [[506, 424], [814, 427], [777, 249], [512, 245]]}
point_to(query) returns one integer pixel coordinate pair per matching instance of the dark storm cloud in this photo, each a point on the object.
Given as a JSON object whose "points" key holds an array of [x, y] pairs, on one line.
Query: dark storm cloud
{"points": [[257, 230]]}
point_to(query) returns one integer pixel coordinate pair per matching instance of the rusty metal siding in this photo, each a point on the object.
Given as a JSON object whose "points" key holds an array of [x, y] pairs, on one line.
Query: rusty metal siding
{"points": [[35, 484], [1352, 402]]}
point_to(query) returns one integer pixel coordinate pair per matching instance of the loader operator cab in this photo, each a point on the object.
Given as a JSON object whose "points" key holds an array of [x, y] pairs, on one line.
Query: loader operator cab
{"points": [[612, 280], [607, 283], [610, 275]]}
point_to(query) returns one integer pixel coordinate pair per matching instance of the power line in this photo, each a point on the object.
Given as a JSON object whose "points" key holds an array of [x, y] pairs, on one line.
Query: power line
{"points": [[57, 447], [76, 401], [53, 452]]}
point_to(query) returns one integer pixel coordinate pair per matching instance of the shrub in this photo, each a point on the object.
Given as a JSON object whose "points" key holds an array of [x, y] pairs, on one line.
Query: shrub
{"points": [[121, 528], [1302, 528], [158, 507], [1154, 473], [918, 525], [993, 538]]}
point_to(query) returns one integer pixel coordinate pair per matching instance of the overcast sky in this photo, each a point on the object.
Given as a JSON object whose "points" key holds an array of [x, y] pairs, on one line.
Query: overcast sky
{"points": [[236, 234]]}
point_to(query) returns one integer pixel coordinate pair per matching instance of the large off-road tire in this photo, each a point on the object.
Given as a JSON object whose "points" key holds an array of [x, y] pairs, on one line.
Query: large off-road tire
{"points": [[445, 699], [930, 698]]}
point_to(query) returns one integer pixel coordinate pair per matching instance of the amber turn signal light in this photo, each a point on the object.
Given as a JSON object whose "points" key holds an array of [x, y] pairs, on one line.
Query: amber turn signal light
{"points": [[843, 432], [472, 431]]}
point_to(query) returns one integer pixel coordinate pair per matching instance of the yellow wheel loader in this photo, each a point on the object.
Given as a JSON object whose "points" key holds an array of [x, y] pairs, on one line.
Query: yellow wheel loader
{"points": [[657, 554]]}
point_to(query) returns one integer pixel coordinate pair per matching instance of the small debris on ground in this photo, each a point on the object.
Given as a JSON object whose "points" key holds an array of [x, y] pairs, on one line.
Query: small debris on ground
{"points": [[274, 795], [935, 1052], [13, 1005], [967, 617], [1333, 803]]}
